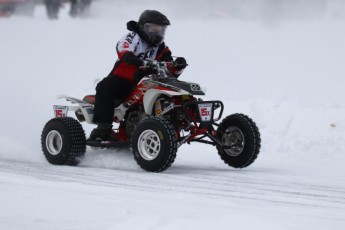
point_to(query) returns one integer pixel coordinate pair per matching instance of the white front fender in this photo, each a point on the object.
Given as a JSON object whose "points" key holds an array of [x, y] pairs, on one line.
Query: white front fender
{"points": [[151, 96]]}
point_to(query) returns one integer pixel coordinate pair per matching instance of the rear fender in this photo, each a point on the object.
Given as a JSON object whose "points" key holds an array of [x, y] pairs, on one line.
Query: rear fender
{"points": [[151, 96], [86, 108]]}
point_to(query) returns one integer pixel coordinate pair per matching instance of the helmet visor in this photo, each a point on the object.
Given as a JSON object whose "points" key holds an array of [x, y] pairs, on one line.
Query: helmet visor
{"points": [[155, 32]]}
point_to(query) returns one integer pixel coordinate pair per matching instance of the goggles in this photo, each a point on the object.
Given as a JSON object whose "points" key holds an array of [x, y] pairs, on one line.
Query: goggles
{"points": [[154, 28]]}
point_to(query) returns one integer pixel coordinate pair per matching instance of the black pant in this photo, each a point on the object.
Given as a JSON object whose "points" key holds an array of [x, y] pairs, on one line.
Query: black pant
{"points": [[108, 90]]}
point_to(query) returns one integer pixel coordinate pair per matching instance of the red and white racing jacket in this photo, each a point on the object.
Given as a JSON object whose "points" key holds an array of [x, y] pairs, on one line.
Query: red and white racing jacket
{"points": [[144, 51]]}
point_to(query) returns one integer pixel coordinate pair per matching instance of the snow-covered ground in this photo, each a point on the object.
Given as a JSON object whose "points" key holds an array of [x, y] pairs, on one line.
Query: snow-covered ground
{"points": [[287, 76]]}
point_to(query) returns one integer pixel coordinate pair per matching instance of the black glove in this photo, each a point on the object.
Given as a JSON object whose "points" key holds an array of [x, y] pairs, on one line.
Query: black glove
{"points": [[131, 59], [142, 73], [180, 63]]}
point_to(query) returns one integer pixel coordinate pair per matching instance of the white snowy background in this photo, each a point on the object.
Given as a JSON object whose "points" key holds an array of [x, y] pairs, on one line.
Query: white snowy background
{"points": [[283, 64]]}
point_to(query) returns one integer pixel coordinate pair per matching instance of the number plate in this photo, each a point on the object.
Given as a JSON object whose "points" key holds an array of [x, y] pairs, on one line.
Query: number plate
{"points": [[60, 110], [205, 111]]}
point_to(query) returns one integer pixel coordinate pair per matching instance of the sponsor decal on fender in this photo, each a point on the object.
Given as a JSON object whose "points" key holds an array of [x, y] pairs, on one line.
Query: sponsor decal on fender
{"points": [[195, 87], [89, 110]]}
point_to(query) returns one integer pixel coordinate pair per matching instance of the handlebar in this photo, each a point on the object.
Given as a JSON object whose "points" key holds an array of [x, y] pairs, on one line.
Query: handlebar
{"points": [[154, 64], [162, 67]]}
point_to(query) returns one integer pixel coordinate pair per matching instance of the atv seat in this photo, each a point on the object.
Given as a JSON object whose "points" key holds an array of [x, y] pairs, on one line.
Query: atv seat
{"points": [[90, 99]]}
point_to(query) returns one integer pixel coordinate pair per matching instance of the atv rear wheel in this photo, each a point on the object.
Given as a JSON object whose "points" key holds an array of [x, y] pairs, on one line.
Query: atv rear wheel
{"points": [[63, 141], [241, 137], [154, 144]]}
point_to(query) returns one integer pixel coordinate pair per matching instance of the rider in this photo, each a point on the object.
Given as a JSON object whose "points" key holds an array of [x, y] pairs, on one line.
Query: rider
{"points": [[145, 41]]}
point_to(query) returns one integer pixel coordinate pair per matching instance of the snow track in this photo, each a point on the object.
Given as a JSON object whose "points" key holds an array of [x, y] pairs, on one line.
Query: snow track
{"points": [[230, 186]]}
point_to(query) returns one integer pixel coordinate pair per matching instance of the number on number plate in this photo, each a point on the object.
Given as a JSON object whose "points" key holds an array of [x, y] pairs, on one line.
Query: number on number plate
{"points": [[60, 110]]}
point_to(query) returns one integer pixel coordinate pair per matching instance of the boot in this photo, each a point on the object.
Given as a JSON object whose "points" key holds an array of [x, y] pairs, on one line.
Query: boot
{"points": [[101, 133]]}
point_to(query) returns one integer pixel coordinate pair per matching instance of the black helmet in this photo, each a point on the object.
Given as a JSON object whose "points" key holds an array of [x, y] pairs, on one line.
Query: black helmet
{"points": [[153, 16], [153, 24]]}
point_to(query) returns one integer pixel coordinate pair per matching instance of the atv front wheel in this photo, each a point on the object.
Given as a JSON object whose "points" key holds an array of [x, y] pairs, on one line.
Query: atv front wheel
{"points": [[154, 144], [241, 139], [63, 141]]}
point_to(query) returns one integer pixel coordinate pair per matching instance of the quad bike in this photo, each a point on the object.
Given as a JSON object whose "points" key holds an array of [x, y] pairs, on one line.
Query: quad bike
{"points": [[160, 114]]}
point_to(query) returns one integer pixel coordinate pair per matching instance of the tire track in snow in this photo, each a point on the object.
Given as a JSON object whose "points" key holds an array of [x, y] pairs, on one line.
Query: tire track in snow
{"points": [[228, 185]]}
